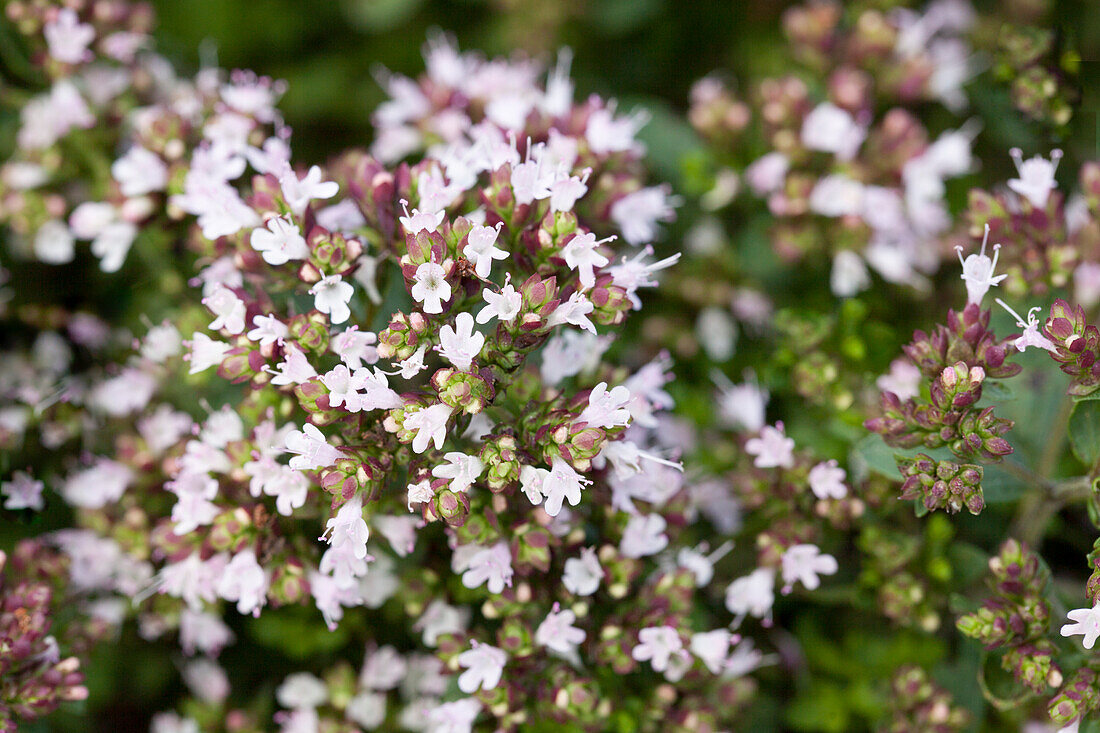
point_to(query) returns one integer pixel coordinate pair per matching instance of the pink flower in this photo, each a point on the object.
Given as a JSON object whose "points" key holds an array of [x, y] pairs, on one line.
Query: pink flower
{"points": [[773, 449]]}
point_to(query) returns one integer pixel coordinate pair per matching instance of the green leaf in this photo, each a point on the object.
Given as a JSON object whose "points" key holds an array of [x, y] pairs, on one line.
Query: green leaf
{"points": [[876, 456], [1084, 431]]}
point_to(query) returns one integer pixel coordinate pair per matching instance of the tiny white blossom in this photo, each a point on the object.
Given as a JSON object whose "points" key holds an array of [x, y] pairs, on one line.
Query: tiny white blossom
{"points": [[311, 449], [301, 690], [419, 493], [644, 535], [461, 469], [753, 594], [23, 491], [1086, 622], [420, 221], [461, 344], [484, 665], [582, 575], [574, 312], [606, 409], [504, 305], [245, 582], [67, 38], [139, 172], [741, 406], [903, 379], [772, 449], [562, 483], [1036, 179], [331, 295], [299, 192], [279, 241], [228, 310], [657, 645], [803, 563], [205, 352], [1031, 335], [557, 632], [430, 287], [267, 330], [430, 424], [491, 566], [830, 129], [481, 249], [978, 271], [827, 480], [581, 254]]}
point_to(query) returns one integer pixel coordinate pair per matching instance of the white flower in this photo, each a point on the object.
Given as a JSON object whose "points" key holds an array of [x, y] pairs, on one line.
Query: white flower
{"points": [[113, 244], [139, 172], [767, 173], [712, 648], [420, 493], [978, 271], [827, 480], [753, 594], [279, 241], [23, 492], [504, 305], [562, 483], [311, 449], [491, 566], [430, 424], [355, 347], [54, 243], [658, 644], [644, 535], [460, 345], [1036, 179], [420, 221], [267, 330], [574, 312], [383, 669], [245, 582], [741, 406], [635, 273], [773, 449], [606, 409], [836, 195], [1086, 622], [481, 249], [299, 192], [1031, 335], [228, 310], [461, 469], [804, 563], [331, 296], [367, 709], [638, 213], [430, 287], [582, 575], [91, 218], [439, 619], [581, 254], [67, 38], [348, 528], [294, 369], [484, 665], [93, 488], [830, 129], [453, 717], [849, 275], [301, 690], [557, 632], [903, 379]]}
